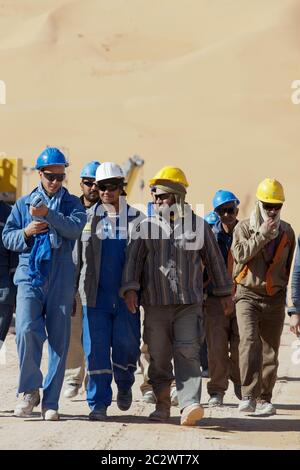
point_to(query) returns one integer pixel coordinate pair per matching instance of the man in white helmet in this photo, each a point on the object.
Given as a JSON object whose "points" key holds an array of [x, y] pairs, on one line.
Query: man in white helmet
{"points": [[109, 329], [75, 365]]}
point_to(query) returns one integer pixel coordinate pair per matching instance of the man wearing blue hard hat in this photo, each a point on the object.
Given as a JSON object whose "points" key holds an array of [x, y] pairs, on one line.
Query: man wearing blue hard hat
{"points": [[222, 331], [42, 228], [75, 366]]}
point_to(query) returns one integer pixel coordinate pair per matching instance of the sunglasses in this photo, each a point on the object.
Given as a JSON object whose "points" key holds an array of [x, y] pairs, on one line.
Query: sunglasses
{"points": [[162, 197], [226, 210], [54, 176], [270, 207], [90, 184], [108, 187]]}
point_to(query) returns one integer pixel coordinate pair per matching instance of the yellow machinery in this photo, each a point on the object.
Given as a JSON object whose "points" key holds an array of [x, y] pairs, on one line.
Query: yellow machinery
{"points": [[130, 169], [10, 178]]}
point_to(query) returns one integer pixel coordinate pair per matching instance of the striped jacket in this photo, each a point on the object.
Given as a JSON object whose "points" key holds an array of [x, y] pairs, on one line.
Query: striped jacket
{"points": [[168, 270]]}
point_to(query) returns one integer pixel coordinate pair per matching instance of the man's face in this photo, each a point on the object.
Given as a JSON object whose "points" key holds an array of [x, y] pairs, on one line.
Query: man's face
{"points": [[228, 213], [163, 199], [52, 177], [272, 210], [109, 192], [90, 189]]}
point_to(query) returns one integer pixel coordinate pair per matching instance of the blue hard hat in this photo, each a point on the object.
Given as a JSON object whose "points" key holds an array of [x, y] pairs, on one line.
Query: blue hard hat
{"points": [[89, 170], [211, 218], [223, 197], [51, 156]]}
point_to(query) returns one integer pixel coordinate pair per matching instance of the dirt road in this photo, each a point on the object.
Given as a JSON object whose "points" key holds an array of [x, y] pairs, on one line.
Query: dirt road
{"points": [[224, 428]]}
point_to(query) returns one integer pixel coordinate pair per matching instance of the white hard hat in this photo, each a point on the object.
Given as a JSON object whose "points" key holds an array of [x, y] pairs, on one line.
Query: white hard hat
{"points": [[108, 170]]}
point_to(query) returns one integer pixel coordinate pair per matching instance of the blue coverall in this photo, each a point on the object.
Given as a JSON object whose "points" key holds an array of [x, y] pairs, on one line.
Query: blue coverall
{"points": [[8, 264], [111, 334], [44, 312]]}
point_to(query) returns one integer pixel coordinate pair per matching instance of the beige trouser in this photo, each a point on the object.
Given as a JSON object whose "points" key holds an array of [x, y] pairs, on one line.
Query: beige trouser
{"points": [[222, 338], [260, 321], [172, 332], [75, 366], [144, 362]]}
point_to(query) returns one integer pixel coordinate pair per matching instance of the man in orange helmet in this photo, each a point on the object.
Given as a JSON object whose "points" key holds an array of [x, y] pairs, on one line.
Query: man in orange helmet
{"points": [[262, 248]]}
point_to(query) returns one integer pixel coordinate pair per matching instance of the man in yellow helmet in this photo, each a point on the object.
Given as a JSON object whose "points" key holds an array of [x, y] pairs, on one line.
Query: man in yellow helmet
{"points": [[164, 261], [262, 248]]}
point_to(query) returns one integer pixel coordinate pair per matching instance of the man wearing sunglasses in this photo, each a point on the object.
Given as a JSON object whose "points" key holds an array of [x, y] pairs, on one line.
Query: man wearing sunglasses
{"points": [[262, 248], [168, 269], [111, 334], [42, 228], [222, 331], [75, 365]]}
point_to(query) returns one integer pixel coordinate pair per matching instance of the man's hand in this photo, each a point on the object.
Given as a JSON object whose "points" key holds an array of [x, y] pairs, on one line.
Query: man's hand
{"points": [[268, 228], [35, 227], [131, 300], [41, 211], [295, 323], [227, 304]]}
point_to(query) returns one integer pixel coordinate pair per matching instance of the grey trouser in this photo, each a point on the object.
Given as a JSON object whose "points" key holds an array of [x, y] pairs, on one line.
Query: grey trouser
{"points": [[260, 321], [222, 338], [173, 331]]}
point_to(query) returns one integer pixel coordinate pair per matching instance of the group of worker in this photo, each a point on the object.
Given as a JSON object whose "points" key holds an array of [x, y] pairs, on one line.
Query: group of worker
{"points": [[86, 265]]}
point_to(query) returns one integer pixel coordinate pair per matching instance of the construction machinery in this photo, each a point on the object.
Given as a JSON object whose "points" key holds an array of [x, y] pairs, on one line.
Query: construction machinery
{"points": [[130, 169], [10, 178]]}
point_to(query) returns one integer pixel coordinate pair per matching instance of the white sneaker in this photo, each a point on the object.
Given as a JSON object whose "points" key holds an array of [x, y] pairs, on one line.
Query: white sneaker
{"points": [[29, 401], [50, 415], [149, 397], [174, 396], [247, 405], [216, 399], [71, 390], [265, 408]]}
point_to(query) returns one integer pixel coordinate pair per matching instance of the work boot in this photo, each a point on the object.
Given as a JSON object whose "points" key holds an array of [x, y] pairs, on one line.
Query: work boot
{"points": [[265, 408], [149, 397], [163, 406], [238, 391], [247, 405], [174, 396], [50, 415], [191, 415], [71, 390], [124, 399], [161, 414], [216, 399], [29, 401], [98, 415]]}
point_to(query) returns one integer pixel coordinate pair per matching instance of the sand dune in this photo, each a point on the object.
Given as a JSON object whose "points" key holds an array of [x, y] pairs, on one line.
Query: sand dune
{"points": [[203, 84]]}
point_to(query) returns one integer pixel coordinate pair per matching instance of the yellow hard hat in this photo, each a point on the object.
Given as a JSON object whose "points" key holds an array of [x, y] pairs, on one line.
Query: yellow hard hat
{"points": [[169, 173], [270, 190]]}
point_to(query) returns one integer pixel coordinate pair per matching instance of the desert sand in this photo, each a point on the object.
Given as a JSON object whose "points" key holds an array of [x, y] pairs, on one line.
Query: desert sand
{"points": [[204, 85]]}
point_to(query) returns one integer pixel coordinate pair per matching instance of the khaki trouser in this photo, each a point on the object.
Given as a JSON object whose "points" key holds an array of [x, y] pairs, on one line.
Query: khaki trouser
{"points": [[172, 331], [75, 366], [222, 338], [260, 321]]}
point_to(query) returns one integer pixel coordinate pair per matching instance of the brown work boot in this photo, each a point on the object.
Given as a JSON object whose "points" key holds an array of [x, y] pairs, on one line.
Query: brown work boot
{"points": [[160, 414], [163, 405], [191, 415]]}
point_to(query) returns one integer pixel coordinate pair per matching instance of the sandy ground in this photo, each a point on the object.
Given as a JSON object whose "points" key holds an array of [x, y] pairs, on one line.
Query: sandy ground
{"points": [[223, 429]]}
